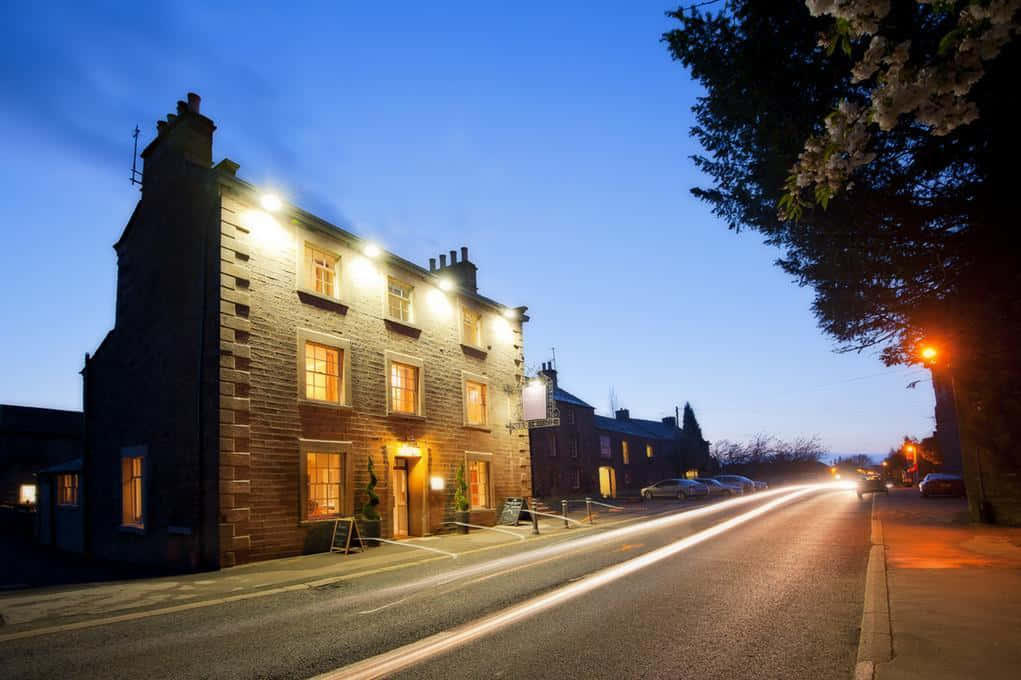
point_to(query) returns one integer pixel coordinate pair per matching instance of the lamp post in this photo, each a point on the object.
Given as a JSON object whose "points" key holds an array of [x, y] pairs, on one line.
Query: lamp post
{"points": [[930, 357]]}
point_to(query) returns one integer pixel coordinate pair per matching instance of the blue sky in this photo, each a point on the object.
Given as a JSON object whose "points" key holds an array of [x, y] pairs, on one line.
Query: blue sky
{"points": [[553, 141]]}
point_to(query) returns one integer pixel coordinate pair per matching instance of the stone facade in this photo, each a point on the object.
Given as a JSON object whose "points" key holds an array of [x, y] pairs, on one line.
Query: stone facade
{"points": [[224, 417]]}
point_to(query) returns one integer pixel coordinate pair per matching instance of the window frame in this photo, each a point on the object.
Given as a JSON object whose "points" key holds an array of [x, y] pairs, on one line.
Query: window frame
{"points": [[605, 451], [575, 446], [75, 489], [304, 236], [575, 478], [412, 315], [132, 452], [470, 342], [390, 358], [343, 449], [480, 457], [305, 335], [307, 269], [482, 380], [650, 451], [625, 452]]}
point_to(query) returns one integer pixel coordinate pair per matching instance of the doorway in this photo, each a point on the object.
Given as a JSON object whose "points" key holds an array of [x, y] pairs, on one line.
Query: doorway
{"points": [[399, 484], [607, 482]]}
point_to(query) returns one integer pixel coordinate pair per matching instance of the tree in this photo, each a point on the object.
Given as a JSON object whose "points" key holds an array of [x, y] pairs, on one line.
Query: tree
{"points": [[460, 490], [369, 511], [917, 244], [690, 423]]}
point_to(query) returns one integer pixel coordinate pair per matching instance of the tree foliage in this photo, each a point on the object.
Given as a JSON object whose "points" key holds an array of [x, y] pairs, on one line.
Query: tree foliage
{"points": [[690, 424], [920, 245], [369, 510]]}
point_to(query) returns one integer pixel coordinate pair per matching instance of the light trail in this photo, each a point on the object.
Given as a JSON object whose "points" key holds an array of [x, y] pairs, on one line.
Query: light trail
{"points": [[440, 643]]}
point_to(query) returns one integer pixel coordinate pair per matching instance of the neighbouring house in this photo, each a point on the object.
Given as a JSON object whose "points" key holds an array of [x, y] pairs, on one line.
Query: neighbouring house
{"points": [[261, 357], [32, 439], [592, 455], [59, 520]]}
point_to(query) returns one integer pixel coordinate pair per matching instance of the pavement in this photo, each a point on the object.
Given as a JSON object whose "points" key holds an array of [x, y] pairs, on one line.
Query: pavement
{"points": [[954, 591], [764, 586]]}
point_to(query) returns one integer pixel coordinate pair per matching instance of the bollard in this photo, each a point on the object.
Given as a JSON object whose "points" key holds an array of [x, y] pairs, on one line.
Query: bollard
{"points": [[563, 511], [588, 506], [535, 519]]}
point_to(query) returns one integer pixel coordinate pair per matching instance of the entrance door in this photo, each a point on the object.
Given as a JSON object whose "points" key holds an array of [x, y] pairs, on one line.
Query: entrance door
{"points": [[400, 493], [607, 482]]}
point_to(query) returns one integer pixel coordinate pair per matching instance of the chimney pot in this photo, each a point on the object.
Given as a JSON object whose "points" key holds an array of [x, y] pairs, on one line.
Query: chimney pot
{"points": [[432, 264], [194, 102], [453, 257], [171, 117], [181, 107], [161, 126], [464, 253], [443, 261], [623, 414]]}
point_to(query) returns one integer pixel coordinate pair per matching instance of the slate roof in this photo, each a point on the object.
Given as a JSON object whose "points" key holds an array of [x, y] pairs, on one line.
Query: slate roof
{"points": [[637, 427], [74, 465], [568, 398]]}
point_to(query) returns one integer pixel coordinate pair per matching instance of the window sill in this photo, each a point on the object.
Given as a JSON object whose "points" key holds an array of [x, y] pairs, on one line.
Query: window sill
{"points": [[479, 428], [318, 520], [475, 350], [405, 327], [303, 401], [480, 509], [310, 297], [409, 416], [131, 529]]}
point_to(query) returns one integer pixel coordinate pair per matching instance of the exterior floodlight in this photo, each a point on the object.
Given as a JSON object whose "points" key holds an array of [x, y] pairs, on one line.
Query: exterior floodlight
{"points": [[271, 202], [446, 284], [371, 250], [436, 483], [510, 314]]}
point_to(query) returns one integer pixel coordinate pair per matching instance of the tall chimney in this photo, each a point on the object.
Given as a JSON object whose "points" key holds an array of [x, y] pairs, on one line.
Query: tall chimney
{"points": [[194, 102], [185, 137], [453, 257], [464, 253], [432, 264], [443, 261]]}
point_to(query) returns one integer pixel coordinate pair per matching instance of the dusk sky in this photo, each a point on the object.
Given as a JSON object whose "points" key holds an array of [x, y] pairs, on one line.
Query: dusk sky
{"points": [[552, 141]]}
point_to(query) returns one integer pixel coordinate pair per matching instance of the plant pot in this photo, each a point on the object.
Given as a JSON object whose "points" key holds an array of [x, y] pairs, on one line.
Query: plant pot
{"points": [[369, 528], [462, 516]]}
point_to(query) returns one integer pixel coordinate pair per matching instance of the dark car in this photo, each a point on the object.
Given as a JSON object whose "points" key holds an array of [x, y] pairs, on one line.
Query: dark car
{"points": [[871, 484], [941, 484]]}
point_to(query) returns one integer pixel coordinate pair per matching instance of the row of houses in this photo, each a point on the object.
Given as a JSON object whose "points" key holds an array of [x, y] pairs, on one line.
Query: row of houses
{"points": [[264, 363]]}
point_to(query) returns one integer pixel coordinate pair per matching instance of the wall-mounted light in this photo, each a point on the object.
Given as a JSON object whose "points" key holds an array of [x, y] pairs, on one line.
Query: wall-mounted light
{"points": [[372, 250], [510, 314], [439, 305], [446, 283], [363, 271], [271, 202], [436, 483]]}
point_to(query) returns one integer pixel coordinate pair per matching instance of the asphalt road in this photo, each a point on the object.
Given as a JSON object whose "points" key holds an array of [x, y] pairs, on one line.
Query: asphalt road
{"points": [[777, 596]]}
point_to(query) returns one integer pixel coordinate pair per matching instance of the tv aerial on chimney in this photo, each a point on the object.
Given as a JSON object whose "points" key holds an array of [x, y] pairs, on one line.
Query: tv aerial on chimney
{"points": [[136, 174]]}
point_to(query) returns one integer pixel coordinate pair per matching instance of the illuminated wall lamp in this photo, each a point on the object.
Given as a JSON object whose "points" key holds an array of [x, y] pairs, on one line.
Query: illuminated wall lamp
{"points": [[437, 483], [271, 202], [371, 250]]}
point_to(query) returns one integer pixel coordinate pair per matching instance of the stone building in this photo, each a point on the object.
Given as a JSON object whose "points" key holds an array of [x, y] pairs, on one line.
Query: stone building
{"points": [[261, 357], [591, 455]]}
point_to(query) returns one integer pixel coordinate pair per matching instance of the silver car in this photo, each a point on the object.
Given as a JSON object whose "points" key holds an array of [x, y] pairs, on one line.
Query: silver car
{"points": [[674, 488], [718, 488], [747, 485]]}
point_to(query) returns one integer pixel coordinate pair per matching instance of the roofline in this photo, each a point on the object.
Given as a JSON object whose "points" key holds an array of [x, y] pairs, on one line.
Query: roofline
{"points": [[236, 182]]}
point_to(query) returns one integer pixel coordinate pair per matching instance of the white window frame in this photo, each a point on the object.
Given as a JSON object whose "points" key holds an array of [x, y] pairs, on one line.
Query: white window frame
{"points": [[305, 335], [138, 451], [347, 501], [412, 315], [467, 377], [306, 282], [389, 359], [482, 326]]}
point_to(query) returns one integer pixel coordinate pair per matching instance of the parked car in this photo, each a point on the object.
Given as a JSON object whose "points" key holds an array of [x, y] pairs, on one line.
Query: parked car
{"points": [[760, 486], [941, 484], [674, 488], [747, 485], [718, 488], [871, 484]]}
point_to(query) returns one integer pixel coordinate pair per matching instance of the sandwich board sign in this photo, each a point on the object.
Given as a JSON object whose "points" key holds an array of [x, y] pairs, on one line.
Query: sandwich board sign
{"points": [[345, 530]]}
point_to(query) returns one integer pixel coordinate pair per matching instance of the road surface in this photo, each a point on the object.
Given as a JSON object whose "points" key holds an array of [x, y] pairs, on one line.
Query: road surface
{"points": [[777, 595]]}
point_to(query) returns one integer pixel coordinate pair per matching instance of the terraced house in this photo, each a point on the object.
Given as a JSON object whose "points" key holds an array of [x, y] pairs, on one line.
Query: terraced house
{"points": [[261, 357]]}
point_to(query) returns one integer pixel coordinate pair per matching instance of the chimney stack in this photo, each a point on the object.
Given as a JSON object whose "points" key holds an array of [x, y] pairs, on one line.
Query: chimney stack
{"points": [[194, 102], [443, 261], [453, 257], [464, 253], [432, 264], [623, 414], [185, 137]]}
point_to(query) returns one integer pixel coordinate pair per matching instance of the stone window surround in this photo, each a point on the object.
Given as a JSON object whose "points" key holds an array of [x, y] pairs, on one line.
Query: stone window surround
{"points": [[336, 342], [343, 448], [304, 235], [136, 451], [477, 378], [488, 458], [467, 342], [390, 357]]}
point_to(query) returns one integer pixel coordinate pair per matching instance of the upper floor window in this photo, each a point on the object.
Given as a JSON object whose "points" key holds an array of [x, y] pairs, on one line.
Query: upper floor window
{"points": [[553, 445], [604, 446], [570, 416], [476, 403], [399, 299], [625, 452], [649, 453], [574, 446], [404, 387], [322, 372], [471, 327], [67, 490], [321, 271]]}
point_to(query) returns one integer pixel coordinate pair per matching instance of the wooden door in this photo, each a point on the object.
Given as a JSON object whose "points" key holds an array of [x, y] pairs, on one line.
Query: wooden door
{"points": [[400, 494]]}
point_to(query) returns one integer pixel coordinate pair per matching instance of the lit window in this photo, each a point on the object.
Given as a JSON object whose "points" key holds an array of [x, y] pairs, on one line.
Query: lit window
{"points": [[625, 453], [604, 446], [576, 478], [691, 474], [26, 494], [132, 510], [321, 271], [475, 403], [323, 485], [322, 372], [403, 388], [478, 483], [648, 451], [471, 327], [67, 490], [399, 298]]}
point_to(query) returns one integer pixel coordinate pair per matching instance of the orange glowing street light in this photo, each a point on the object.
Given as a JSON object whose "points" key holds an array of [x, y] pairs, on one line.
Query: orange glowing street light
{"points": [[929, 354]]}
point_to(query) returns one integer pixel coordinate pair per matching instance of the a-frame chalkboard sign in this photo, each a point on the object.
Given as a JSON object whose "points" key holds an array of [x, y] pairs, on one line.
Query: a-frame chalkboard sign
{"points": [[345, 530]]}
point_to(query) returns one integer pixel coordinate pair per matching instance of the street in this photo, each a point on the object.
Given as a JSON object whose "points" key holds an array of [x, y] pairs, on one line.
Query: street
{"points": [[778, 595]]}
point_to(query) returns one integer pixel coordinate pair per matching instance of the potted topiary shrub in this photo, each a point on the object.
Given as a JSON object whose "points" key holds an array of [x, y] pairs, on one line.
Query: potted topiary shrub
{"points": [[461, 500], [369, 520]]}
